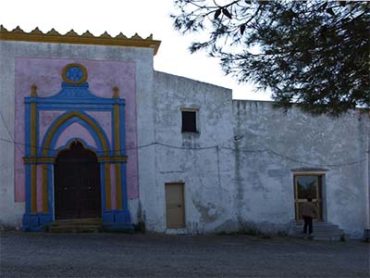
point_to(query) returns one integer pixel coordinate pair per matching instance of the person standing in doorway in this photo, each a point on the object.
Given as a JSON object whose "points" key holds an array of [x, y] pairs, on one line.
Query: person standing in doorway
{"points": [[308, 214]]}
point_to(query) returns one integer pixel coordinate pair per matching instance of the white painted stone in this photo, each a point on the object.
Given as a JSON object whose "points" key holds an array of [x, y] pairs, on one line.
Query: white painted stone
{"points": [[249, 184], [237, 170]]}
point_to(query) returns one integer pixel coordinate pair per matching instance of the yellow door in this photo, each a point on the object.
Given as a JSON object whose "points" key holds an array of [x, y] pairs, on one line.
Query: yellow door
{"points": [[175, 213]]}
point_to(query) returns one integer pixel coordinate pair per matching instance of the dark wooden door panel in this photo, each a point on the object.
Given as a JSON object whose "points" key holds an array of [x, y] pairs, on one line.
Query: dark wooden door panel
{"points": [[77, 183]]}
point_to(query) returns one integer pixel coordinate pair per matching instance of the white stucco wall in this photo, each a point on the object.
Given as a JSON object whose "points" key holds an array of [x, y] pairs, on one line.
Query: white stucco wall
{"points": [[205, 169], [291, 140], [237, 170], [11, 212], [246, 180]]}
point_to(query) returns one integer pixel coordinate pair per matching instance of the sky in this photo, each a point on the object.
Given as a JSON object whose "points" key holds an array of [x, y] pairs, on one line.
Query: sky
{"points": [[144, 17]]}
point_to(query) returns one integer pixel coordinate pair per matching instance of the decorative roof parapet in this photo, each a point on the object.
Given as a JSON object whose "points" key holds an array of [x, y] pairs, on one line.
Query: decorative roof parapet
{"points": [[54, 36]]}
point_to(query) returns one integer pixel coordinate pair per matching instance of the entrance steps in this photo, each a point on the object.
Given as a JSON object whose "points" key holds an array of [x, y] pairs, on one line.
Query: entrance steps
{"points": [[321, 231], [83, 225]]}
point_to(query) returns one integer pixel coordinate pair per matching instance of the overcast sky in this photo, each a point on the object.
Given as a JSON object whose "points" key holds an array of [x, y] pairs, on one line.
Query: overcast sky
{"points": [[144, 17]]}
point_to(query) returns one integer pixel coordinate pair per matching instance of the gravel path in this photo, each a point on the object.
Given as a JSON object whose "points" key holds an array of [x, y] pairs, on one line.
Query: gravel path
{"points": [[122, 255]]}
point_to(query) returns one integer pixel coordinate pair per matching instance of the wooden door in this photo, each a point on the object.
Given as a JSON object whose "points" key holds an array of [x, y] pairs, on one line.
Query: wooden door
{"points": [[77, 184], [175, 210]]}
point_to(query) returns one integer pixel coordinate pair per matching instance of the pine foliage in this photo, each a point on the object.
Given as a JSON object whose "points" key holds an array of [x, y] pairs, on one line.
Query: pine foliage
{"points": [[315, 53]]}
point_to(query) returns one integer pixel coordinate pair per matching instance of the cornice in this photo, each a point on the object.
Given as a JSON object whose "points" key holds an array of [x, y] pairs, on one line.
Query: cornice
{"points": [[53, 36]]}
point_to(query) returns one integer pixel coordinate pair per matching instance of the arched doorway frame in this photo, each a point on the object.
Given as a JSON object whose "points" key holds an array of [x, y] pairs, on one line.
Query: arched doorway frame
{"points": [[48, 149], [76, 102]]}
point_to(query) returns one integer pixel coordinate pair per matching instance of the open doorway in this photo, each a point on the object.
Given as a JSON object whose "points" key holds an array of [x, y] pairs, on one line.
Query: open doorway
{"points": [[308, 186]]}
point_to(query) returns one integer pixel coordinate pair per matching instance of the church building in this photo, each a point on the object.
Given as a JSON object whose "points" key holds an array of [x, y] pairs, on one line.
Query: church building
{"points": [[89, 129]]}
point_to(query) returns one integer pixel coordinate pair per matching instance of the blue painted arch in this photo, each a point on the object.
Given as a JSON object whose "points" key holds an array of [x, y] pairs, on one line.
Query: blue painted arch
{"points": [[63, 122]]}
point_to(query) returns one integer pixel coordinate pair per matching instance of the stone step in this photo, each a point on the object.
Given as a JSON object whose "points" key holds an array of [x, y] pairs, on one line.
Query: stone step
{"points": [[75, 229], [321, 231], [317, 231], [80, 221], [87, 225], [328, 238]]}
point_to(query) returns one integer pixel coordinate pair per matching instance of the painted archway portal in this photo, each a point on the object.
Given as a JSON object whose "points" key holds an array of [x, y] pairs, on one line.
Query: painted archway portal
{"points": [[77, 183]]}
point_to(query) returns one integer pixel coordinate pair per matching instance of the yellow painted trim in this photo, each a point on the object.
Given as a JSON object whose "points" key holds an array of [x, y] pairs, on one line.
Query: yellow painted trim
{"points": [[33, 130], [116, 125], [117, 150], [39, 160], [33, 188], [67, 67], [118, 186], [65, 118], [115, 92], [45, 205], [33, 90], [73, 38], [107, 186]]}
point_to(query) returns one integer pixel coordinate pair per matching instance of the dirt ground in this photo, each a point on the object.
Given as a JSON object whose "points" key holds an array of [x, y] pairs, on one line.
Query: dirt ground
{"points": [[151, 255]]}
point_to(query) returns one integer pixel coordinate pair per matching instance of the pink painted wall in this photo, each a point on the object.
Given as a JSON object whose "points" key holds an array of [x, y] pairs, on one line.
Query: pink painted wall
{"points": [[104, 119], [102, 77], [75, 130], [46, 119]]}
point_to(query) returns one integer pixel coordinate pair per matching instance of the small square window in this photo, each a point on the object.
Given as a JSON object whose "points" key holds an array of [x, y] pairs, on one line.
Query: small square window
{"points": [[189, 121]]}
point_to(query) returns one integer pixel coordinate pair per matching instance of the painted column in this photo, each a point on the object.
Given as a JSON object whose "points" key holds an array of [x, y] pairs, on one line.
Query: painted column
{"points": [[35, 217], [118, 218], [117, 147], [33, 148], [123, 164], [46, 165], [107, 183], [44, 171]]}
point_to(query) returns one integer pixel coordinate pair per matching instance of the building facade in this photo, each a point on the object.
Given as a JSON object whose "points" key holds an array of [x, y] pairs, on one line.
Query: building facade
{"points": [[90, 130]]}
